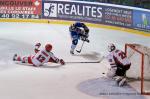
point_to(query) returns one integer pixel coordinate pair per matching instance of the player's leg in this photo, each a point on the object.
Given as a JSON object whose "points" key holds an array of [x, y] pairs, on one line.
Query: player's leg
{"points": [[75, 38], [16, 58], [121, 75], [124, 79], [111, 72], [60, 61], [120, 71], [120, 80], [23, 59], [73, 46]]}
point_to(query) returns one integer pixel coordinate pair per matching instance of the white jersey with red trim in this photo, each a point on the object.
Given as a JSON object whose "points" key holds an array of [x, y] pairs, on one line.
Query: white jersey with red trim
{"points": [[42, 57], [118, 57]]}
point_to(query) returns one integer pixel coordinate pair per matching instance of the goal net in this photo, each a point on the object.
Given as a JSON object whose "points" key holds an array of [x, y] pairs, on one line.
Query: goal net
{"points": [[139, 56]]}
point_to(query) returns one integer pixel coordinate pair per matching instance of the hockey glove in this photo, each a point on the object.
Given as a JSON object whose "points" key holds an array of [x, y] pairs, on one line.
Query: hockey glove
{"points": [[37, 45], [86, 30], [85, 39], [62, 62]]}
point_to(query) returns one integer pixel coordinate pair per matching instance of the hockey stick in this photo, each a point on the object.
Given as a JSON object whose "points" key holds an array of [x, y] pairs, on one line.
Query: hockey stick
{"points": [[101, 59], [81, 47], [84, 62]]}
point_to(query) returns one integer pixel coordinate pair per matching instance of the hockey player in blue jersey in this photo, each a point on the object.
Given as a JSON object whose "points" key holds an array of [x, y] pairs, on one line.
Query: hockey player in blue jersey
{"points": [[78, 31]]}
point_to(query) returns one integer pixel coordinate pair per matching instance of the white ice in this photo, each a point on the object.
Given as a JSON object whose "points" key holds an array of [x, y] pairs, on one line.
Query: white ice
{"points": [[53, 81]]}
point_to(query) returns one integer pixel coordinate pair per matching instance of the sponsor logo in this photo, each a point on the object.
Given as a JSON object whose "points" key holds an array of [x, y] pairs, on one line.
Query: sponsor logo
{"points": [[50, 9], [141, 20], [70, 10], [144, 19], [36, 3]]}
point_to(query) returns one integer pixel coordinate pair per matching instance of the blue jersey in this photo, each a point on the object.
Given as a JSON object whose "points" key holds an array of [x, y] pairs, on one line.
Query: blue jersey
{"points": [[75, 29], [79, 24], [78, 31]]}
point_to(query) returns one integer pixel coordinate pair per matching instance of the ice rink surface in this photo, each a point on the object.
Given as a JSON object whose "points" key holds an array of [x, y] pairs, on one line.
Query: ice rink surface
{"points": [[53, 81]]}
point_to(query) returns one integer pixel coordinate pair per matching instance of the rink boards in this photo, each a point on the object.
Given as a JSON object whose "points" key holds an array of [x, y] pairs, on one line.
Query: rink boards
{"points": [[64, 22]]}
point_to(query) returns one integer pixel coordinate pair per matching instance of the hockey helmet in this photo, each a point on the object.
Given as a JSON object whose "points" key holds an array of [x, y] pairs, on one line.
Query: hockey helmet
{"points": [[48, 47], [111, 47]]}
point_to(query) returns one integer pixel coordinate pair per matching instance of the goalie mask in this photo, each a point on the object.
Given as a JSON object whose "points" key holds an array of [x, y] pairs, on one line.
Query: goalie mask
{"points": [[111, 47], [48, 47]]}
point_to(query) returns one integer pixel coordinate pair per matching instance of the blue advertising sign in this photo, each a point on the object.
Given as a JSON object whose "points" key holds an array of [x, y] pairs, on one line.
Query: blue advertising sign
{"points": [[72, 11], [141, 20]]}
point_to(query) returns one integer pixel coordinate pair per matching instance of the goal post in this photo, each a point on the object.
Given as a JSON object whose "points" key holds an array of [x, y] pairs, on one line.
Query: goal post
{"points": [[139, 56]]}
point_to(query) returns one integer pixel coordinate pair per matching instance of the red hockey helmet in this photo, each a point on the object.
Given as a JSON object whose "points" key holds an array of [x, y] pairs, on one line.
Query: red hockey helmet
{"points": [[48, 47]]}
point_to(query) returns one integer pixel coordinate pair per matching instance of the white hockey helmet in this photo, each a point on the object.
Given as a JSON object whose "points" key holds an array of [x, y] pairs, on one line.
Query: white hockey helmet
{"points": [[111, 47], [48, 47]]}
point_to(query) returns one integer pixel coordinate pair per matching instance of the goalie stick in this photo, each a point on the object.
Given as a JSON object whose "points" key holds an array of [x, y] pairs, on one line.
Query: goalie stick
{"points": [[101, 59]]}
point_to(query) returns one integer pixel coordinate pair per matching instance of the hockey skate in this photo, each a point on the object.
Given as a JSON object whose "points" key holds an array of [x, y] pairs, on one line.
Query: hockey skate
{"points": [[15, 57], [72, 52], [122, 82], [117, 78]]}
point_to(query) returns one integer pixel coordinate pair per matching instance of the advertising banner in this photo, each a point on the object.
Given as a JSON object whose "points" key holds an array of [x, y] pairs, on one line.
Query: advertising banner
{"points": [[141, 20], [118, 16], [21, 9], [72, 11]]}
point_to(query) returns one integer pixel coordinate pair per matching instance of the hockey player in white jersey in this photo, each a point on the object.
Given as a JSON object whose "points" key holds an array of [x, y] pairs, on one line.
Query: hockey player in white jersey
{"points": [[119, 64], [41, 56]]}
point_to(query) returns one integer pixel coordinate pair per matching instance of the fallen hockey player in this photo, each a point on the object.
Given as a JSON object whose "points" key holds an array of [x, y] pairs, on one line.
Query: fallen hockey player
{"points": [[41, 56]]}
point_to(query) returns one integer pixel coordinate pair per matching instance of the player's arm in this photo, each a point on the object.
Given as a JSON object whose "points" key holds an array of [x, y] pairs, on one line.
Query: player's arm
{"points": [[86, 29], [85, 33], [74, 27], [82, 25], [56, 60], [37, 46], [84, 36]]}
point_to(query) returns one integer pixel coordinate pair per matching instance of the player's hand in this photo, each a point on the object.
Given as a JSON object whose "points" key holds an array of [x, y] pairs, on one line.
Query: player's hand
{"points": [[62, 62], [85, 39], [37, 45], [86, 31]]}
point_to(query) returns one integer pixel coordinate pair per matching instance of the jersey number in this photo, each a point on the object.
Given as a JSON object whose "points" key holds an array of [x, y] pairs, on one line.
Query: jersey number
{"points": [[40, 58], [122, 55]]}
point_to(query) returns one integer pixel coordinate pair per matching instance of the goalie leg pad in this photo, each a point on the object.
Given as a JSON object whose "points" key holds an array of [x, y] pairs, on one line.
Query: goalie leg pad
{"points": [[111, 72], [120, 80]]}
